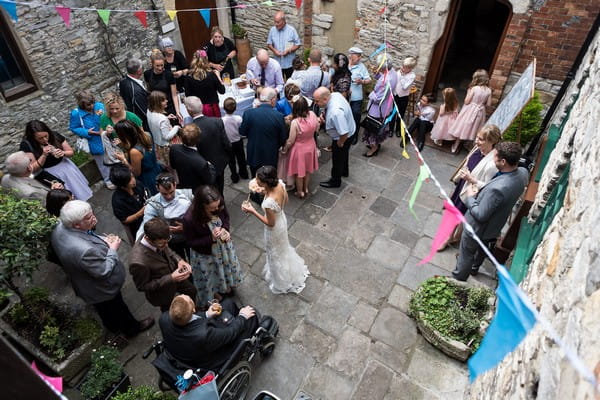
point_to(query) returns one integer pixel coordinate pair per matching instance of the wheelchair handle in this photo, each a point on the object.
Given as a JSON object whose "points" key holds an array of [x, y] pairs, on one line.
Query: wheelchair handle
{"points": [[156, 347]]}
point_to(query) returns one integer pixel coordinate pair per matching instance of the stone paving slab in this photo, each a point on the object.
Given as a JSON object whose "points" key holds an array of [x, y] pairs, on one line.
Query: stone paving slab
{"points": [[331, 311], [363, 316], [412, 275], [324, 383], [351, 354], [374, 383], [400, 298], [395, 329], [318, 344], [388, 253]]}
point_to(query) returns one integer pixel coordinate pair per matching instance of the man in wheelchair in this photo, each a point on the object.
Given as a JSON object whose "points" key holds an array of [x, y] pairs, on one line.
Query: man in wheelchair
{"points": [[205, 340]]}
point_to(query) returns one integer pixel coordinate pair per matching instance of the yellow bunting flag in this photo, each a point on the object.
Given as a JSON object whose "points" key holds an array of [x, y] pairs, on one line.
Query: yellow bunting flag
{"points": [[403, 135], [104, 15], [172, 14]]}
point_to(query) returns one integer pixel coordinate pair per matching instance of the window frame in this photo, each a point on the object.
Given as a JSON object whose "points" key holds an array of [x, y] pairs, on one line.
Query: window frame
{"points": [[30, 85]]}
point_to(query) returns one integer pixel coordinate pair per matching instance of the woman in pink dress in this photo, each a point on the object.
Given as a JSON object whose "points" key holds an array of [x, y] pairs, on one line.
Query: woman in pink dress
{"points": [[472, 116], [446, 117], [303, 158]]}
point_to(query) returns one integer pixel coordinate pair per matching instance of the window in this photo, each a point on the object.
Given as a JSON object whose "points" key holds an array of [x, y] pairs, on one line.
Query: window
{"points": [[16, 79]]}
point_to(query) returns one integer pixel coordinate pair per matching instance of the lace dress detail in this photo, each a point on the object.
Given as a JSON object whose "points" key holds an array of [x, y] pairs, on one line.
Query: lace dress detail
{"points": [[285, 271]]}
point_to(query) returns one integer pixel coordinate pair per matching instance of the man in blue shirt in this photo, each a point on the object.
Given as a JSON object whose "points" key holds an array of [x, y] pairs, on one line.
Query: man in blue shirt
{"points": [[283, 41], [341, 127], [360, 77]]}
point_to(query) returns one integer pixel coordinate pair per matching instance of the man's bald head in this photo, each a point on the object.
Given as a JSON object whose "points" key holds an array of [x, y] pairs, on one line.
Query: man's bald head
{"points": [[262, 56], [279, 20]]}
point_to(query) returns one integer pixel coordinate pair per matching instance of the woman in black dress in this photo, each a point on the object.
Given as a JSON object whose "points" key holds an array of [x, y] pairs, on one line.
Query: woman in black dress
{"points": [[174, 61], [220, 50], [204, 83], [158, 78], [128, 200]]}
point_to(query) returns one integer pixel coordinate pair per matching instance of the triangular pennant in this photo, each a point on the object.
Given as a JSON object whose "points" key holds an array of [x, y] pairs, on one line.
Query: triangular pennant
{"points": [[268, 2], [378, 50], [240, 6], [141, 15], [298, 4], [55, 382], [423, 174], [382, 10], [11, 9], [105, 15], [65, 13], [451, 217], [172, 14], [205, 13]]}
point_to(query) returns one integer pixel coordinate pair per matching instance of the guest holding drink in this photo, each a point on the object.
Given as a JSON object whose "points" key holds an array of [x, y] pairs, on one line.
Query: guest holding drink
{"points": [[220, 51], [175, 61]]}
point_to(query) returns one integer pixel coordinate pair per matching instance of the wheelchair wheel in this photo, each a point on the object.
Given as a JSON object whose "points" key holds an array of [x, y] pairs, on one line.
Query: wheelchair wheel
{"points": [[235, 384], [267, 349]]}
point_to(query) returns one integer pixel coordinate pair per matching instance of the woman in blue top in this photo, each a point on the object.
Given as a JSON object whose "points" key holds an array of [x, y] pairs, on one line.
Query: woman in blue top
{"points": [[284, 105], [139, 156], [85, 123]]}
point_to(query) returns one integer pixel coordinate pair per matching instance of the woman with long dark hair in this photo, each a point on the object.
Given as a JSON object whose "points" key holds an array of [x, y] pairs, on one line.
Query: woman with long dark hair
{"points": [[49, 153], [215, 267], [138, 154], [341, 78]]}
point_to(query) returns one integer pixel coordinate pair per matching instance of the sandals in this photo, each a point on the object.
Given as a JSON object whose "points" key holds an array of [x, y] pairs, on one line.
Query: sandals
{"points": [[299, 195]]}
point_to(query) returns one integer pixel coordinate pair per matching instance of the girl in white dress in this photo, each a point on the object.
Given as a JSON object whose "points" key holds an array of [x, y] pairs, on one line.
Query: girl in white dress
{"points": [[285, 271]]}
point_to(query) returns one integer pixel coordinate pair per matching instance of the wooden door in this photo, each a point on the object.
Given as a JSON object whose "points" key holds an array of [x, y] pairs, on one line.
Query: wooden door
{"points": [[194, 32]]}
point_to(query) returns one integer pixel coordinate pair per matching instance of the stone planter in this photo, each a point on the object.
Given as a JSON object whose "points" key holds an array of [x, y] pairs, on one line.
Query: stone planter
{"points": [[453, 348], [70, 367], [90, 170], [244, 53]]}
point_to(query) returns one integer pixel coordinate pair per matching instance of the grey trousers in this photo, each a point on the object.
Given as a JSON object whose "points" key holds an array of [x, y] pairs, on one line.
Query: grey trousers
{"points": [[470, 256]]}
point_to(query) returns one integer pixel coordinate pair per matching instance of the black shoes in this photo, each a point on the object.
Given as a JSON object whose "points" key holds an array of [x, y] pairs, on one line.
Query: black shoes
{"points": [[330, 184]]}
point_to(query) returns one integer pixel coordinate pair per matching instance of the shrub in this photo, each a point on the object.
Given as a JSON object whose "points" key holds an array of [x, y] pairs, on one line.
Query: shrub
{"points": [[144, 393], [238, 31], [106, 370], [454, 311], [80, 157], [530, 122]]}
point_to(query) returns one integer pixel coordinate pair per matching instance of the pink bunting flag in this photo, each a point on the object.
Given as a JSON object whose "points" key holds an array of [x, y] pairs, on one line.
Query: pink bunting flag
{"points": [[298, 4], [55, 382], [65, 13], [240, 6], [382, 10], [451, 217], [141, 15]]}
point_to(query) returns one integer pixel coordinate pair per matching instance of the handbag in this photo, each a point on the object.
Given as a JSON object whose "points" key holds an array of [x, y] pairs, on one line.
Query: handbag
{"points": [[82, 144], [372, 124], [202, 391]]}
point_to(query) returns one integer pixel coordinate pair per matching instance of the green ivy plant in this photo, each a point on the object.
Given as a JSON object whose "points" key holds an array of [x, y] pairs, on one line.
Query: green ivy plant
{"points": [[238, 31], [530, 121], [105, 372], [24, 234], [144, 393], [80, 157], [454, 311]]}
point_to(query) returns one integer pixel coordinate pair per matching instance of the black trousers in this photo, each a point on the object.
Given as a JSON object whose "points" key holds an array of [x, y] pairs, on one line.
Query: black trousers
{"points": [[356, 107], [287, 73], [237, 161], [422, 127], [339, 160], [401, 103], [116, 317], [220, 182]]}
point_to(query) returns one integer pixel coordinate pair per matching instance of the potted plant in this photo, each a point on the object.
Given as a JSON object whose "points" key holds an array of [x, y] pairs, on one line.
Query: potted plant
{"points": [[527, 124], [452, 315], [87, 166], [242, 43], [56, 335], [106, 377], [144, 393]]}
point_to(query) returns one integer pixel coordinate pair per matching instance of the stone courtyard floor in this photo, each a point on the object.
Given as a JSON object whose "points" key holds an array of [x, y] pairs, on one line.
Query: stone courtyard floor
{"points": [[347, 335]]}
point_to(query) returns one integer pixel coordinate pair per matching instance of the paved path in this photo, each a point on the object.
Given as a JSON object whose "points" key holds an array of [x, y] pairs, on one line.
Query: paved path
{"points": [[347, 335]]}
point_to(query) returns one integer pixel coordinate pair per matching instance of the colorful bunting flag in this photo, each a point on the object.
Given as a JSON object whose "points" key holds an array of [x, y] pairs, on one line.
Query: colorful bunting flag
{"points": [[105, 15], [172, 14], [378, 50], [382, 10], [403, 136], [423, 174], [240, 6], [205, 13], [11, 9], [513, 320], [55, 382], [298, 4], [391, 116], [141, 15], [451, 217], [65, 13]]}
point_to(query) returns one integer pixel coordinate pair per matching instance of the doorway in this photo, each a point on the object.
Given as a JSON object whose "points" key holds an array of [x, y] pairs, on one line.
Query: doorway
{"points": [[194, 32], [471, 40]]}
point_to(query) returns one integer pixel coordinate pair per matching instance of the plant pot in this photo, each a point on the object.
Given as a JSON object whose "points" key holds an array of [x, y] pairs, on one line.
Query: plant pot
{"points": [[452, 348], [120, 387], [244, 53], [89, 169], [70, 367]]}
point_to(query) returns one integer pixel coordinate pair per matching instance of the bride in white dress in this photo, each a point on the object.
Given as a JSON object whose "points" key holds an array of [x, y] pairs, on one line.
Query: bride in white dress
{"points": [[285, 271]]}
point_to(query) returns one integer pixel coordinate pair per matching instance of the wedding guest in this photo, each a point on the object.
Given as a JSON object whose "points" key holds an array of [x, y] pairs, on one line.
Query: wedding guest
{"points": [[220, 51], [283, 41], [157, 78], [204, 83], [175, 61]]}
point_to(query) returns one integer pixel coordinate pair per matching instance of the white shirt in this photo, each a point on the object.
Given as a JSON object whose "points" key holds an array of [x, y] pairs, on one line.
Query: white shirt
{"points": [[405, 81], [160, 128]]}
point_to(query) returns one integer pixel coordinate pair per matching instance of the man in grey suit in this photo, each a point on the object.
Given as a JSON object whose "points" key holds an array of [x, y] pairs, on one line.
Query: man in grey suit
{"points": [[93, 266], [489, 209]]}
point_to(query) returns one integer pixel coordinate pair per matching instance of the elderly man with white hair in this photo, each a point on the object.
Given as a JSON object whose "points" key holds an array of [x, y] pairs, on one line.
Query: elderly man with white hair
{"points": [[213, 143], [20, 181], [264, 71], [265, 129], [93, 266]]}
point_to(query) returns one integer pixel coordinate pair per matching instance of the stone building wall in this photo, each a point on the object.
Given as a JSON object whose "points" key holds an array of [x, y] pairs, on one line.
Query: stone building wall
{"points": [[65, 60], [564, 276]]}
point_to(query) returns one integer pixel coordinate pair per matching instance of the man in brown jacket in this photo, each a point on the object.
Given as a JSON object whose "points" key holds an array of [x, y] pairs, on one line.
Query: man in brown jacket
{"points": [[157, 270]]}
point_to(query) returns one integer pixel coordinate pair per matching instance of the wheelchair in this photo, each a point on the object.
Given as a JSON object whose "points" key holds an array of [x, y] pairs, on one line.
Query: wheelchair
{"points": [[233, 378]]}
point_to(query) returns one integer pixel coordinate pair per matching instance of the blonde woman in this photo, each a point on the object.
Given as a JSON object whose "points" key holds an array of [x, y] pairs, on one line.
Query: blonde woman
{"points": [[204, 83], [115, 107], [220, 51], [157, 78]]}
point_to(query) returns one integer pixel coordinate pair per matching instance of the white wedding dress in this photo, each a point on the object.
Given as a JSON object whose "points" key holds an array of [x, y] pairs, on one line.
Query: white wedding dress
{"points": [[285, 270]]}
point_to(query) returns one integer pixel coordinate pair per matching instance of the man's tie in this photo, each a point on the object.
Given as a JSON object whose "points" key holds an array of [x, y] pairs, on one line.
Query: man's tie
{"points": [[262, 76]]}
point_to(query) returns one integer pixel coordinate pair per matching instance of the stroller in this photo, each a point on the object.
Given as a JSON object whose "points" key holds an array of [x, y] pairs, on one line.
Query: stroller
{"points": [[233, 378]]}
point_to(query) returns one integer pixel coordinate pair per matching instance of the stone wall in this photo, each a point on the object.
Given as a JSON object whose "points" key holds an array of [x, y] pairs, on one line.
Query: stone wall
{"points": [[564, 276], [66, 60]]}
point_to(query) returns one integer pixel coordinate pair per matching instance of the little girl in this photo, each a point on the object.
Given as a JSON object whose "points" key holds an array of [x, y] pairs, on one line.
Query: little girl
{"points": [[472, 116], [446, 117]]}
